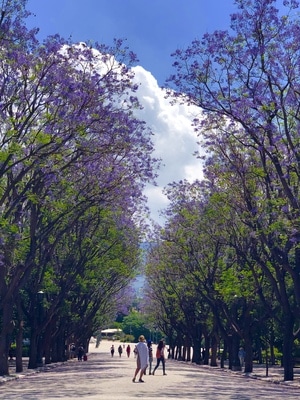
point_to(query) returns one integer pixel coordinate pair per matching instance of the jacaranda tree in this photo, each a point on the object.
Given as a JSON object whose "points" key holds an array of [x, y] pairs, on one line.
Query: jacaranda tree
{"points": [[69, 142], [246, 81]]}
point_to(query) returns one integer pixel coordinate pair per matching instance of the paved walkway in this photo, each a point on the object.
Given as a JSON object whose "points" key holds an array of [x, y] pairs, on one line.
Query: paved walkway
{"points": [[274, 374], [111, 378]]}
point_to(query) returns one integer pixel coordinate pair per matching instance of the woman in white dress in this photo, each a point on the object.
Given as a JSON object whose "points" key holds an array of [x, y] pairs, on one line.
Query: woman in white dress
{"points": [[142, 359]]}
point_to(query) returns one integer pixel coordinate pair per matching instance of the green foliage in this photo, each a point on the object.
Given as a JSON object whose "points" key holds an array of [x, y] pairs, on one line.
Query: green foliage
{"points": [[25, 350], [245, 244], [134, 325], [128, 339]]}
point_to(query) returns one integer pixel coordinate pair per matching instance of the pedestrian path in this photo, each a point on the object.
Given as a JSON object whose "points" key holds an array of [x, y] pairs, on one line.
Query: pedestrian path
{"points": [[110, 378], [274, 374], [271, 374]]}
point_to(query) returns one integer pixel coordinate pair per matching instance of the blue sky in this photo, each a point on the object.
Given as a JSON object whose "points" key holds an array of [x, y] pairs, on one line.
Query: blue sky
{"points": [[153, 28]]}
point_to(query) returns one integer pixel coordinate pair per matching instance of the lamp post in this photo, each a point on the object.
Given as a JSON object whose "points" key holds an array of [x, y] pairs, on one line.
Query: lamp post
{"points": [[40, 317]]}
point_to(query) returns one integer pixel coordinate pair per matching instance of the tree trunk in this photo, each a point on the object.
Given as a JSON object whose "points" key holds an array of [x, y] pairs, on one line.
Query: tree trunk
{"points": [[230, 352], [172, 353], [183, 353], [197, 351], [178, 350], [196, 340], [188, 349], [214, 351], [249, 355], [61, 346], [259, 353], [54, 350], [224, 354], [47, 344], [288, 340], [19, 348], [7, 314], [33, 350], [206, 350], [234, 353], [272, 354], [4, 368], [19, 337]]}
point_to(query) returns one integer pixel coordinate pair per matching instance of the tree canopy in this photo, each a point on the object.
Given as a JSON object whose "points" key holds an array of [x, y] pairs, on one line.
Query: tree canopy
{"points": [[240, 240], [73, 164]]}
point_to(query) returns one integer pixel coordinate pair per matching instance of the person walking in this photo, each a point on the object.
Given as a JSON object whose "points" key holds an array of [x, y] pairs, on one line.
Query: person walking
{"points": [[120, 350], [72, 351], [80, 352], [142, 359], [112, 350], [150, 350], [241, 356], [160, 357], [128, 350]]}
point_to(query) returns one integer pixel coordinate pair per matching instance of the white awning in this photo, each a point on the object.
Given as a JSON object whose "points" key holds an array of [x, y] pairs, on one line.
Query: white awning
{"points": [[110, 331]]}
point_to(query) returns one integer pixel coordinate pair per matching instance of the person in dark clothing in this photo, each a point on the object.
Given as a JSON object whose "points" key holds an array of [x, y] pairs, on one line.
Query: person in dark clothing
{"points": [[80, 353], [112, 350], [128, 350], [120, 350]]}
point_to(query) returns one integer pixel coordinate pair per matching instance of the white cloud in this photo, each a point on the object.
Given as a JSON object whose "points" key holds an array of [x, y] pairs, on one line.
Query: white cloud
{"points": [[174, 138]]}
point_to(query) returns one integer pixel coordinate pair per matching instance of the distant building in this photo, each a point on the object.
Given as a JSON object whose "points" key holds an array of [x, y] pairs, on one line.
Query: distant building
{"points": [[110, 333]]}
